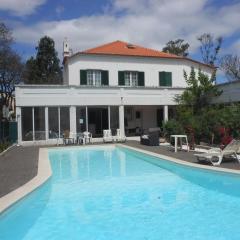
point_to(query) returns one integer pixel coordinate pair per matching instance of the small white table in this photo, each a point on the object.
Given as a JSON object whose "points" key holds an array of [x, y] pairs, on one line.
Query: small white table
{"points": [[180, 138]]}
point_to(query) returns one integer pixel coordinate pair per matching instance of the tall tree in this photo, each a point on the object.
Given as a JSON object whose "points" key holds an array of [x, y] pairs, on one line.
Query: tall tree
{"points": [[44, 69], [10, 67], [177, 47], [200, 90], [209, 48], [230, 65]]}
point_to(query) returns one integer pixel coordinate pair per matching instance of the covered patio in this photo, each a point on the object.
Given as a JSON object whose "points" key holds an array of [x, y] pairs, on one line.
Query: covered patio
{"points": [[46, 125]]}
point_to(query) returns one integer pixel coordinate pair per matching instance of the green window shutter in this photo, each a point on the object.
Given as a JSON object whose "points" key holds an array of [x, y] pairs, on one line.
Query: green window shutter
{"points": [[105, 78], [165, 79], [83, 77], [162, 79], [141, 80], [168, 79], [121, 80]]}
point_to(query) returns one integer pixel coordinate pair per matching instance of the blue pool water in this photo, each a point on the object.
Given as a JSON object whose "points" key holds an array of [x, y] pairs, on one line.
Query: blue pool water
{"points": [[115, 194]]}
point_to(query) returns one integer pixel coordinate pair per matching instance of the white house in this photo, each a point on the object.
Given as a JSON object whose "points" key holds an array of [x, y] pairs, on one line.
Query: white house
{"points": [[116, 85]]}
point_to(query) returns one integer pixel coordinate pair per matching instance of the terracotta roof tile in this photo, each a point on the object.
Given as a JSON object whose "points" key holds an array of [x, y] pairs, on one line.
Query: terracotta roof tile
{"points": [[121, 48], [127, 49]]}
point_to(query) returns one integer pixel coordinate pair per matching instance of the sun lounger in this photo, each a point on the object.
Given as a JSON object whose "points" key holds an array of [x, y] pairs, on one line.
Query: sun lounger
{"points": [[216, 155]]}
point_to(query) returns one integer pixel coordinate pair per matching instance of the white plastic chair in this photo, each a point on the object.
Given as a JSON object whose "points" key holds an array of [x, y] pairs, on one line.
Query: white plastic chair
{"points": [[107, 135], [87, 137], [119, 137]]}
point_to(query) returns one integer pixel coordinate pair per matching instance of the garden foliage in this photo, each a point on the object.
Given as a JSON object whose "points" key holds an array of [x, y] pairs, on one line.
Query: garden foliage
{"points": [[201, 120]]}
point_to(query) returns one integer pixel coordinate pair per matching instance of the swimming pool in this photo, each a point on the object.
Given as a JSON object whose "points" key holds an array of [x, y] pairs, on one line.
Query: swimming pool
{"points": [[116, 193]]}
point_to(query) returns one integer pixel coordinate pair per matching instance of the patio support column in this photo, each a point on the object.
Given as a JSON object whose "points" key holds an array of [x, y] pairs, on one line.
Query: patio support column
{"points": [[46, 124], [19, 124], [109, 117], [86, 118], [73, 126], [165, 114], [33, 123], [121, 121], [59, 123]]}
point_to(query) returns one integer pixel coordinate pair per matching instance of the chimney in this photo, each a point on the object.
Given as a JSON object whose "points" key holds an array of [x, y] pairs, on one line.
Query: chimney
{"points": [[66, 49]]}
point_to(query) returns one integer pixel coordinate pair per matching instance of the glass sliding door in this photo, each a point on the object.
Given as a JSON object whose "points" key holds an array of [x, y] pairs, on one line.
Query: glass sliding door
{"points": [[39, 123], [81, 119], [27, 124], [64, 120], [97, 120], [53, 122], [114, 119]]}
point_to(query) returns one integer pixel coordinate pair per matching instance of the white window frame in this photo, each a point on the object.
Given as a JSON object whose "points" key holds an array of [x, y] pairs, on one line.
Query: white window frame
{"points": [[127, 79], [131, 78], [134, 76], [94, 78]]}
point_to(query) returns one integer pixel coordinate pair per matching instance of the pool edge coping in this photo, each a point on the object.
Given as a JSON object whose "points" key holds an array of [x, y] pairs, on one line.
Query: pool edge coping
{"points": [[182, 162], [43, 174]]}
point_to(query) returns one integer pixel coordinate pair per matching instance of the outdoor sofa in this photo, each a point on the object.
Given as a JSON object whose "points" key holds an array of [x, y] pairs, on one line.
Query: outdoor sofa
{"points": [[151, 139]]}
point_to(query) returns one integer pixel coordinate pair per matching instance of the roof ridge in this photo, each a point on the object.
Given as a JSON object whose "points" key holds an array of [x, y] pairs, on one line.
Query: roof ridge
{"points": [[127, 43], [158, 51], [102, 45]]}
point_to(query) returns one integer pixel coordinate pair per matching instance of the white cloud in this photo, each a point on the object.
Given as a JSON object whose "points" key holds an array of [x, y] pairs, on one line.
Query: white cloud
{"points": [[20, 7], [150, 23]]}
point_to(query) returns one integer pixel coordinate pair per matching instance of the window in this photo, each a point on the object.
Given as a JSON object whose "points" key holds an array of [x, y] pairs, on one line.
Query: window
{"points": [[58, 121], [81, 119], [64, 120], [53, 122], [165, 79], [134, 79], [89, 77], [93, 78], [127, 78], [97, 78], [130, 78], [39, 123], [27, 123], [138, 114]]}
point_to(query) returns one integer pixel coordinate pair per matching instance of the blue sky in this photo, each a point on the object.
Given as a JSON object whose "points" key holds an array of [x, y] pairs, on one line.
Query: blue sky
{"points": [[151, 23]]}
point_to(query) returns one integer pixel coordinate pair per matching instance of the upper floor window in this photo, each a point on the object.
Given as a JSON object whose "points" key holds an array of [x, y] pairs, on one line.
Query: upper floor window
{"points": [[93, 77], [165, 79], [128, 78]]}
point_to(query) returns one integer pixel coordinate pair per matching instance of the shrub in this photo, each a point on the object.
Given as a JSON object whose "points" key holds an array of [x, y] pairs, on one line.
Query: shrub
{"points": [[172, 127], [3, 146]]}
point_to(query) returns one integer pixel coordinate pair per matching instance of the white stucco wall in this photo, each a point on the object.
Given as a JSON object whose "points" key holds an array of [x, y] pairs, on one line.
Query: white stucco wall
{"points": [[151, 67], [39, 95]]}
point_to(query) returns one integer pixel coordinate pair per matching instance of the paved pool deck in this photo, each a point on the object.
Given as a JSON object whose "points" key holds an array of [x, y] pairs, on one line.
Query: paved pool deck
{"points": [[182, 155], [19, 164]]}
